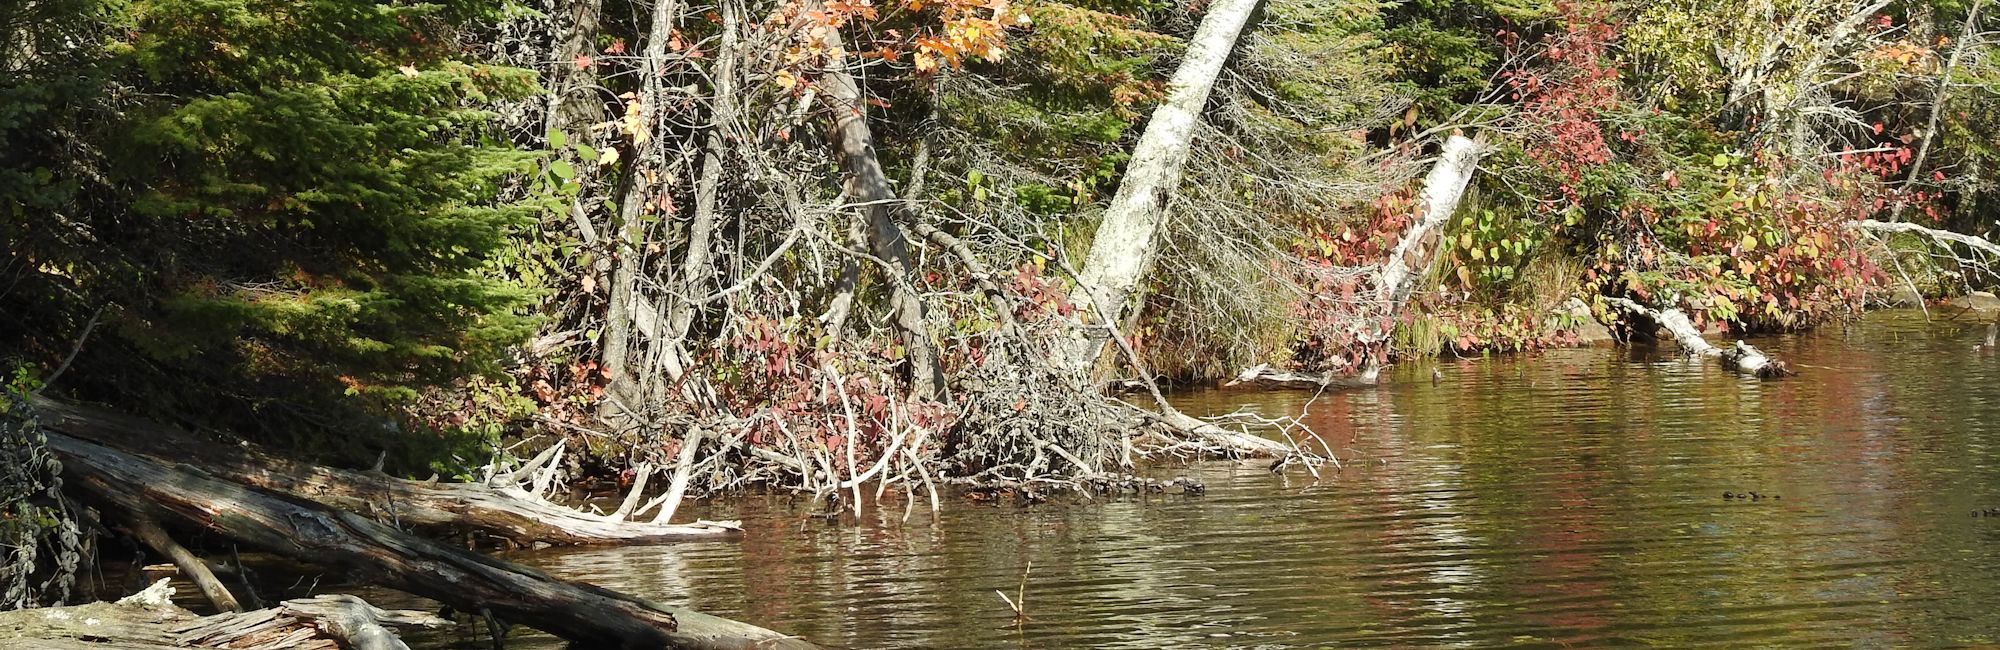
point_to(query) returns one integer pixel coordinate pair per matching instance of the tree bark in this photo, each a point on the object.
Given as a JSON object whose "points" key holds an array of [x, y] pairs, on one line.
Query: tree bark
{"points": [[1417, 250], [1941, 237], [505, 510], [1127, 241], [587, 615], [868, 188]]}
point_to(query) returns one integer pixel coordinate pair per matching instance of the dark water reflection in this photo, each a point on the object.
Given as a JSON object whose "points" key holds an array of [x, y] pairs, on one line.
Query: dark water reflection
{"points": [[1567, 498]]}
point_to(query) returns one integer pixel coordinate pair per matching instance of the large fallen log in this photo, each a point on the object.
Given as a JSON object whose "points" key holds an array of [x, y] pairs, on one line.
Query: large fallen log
{"points": [[376, 553], [502, 507], [148, 620], [1741, 357]]}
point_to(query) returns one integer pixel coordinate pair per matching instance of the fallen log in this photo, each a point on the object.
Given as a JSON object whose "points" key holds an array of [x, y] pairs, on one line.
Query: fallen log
{"points": [[1741, 357], [148, 620], [375, 553], [503, 507], [1263, 375]]}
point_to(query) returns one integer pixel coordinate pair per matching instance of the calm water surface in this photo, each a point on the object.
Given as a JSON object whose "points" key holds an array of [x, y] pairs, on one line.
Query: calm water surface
{"points": [[1569, 498]]}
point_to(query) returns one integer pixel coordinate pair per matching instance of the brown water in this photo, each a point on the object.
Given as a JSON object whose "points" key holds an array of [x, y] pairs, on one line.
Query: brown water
{"points": [[1565, 498]]}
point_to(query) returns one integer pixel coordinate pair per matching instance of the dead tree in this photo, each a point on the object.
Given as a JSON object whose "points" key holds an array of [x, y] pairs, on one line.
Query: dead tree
{"points": [[867, 188], [506, 505], [380, 554]]}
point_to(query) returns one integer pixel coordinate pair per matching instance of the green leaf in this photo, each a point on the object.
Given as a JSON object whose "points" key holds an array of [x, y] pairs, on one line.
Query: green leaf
{"points": [[1721, 160], [562, 170], [586, 152], [557, 139]]}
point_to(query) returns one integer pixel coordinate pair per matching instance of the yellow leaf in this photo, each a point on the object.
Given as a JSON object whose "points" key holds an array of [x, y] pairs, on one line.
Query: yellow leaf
{"points": [[407, 70], [1749, 243]]}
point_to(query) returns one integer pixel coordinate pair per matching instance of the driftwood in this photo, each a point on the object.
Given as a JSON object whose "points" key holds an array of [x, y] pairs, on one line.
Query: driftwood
{"points": [[510, 505], [1741, 357], [149, 621], [1263, 375], [379, 554]]}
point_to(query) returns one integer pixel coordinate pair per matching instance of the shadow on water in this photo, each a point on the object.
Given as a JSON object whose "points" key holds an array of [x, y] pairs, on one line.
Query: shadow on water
{"points": [[1572, 497]]}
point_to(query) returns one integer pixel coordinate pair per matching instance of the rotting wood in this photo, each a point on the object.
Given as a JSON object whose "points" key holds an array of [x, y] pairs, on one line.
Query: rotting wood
{"points": [[153, 536], [148, 620], [504, 509], [1741, 357], [375, 553]]}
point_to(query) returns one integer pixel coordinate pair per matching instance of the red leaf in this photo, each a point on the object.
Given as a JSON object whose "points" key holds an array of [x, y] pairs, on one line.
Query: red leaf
{"points": [[583, 61]]}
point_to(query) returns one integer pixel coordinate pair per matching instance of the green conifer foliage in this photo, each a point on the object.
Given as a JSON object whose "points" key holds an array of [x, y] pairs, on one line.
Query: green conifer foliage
{"points": [[254, 194]]}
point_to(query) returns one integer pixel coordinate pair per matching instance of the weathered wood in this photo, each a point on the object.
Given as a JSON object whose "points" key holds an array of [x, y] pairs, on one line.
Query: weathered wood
{"points": [[1263, 375], [1979, 244], [357, 624], [148, 620], [504, 510], [378, 554], [153, 536], [1741, 357], [1417, 250], [1127, 239]]}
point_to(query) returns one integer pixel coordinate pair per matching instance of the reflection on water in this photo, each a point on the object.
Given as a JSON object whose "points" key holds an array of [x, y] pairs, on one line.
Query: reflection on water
{"points": [[1566, 498]]}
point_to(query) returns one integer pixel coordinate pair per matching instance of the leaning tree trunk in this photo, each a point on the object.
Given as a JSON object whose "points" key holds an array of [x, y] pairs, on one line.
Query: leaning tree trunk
{"points": [[868, 188], [376, 553], [1128, 239], [1417, 251]]}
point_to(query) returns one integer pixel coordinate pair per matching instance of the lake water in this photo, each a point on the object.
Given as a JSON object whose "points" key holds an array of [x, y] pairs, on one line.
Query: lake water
{"points": [[1565, 498]]}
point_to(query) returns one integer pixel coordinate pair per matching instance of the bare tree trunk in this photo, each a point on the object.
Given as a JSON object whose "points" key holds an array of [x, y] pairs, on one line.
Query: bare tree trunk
{"points": [[638, 191], [1397, 277], [1417, 250], [1938, 100], [1127, 240], [868, 187]]}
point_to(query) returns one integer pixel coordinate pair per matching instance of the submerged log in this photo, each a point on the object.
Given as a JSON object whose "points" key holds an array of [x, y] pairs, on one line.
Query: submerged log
{"points": [[378, 554], [1263, 375], [1741, 357], [503, 508], [148, 621]]}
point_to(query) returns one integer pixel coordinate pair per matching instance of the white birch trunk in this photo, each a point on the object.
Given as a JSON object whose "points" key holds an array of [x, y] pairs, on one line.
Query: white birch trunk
{"points": [[1414, 254], [1127, 240]]}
